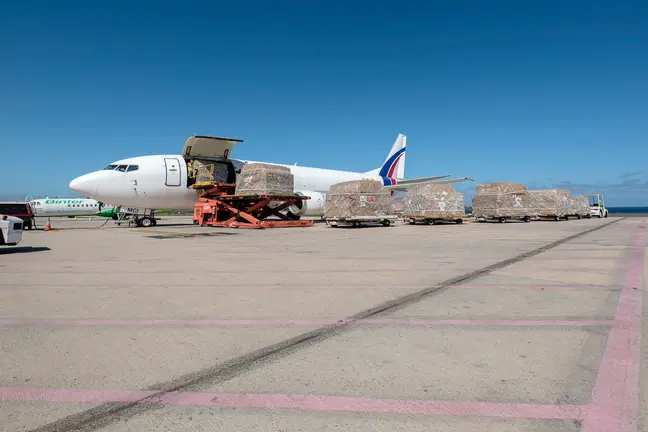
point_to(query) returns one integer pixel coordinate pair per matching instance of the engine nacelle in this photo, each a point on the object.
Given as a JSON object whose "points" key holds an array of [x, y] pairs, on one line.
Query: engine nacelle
{"points": [[312, 207]]}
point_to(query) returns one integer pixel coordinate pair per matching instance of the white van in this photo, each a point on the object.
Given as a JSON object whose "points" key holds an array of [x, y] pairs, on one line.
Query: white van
{"points": [[11, 229]]}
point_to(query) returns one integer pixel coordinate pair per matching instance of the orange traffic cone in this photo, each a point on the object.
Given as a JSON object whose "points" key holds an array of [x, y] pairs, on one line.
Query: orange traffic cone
{"points": [[48, 227]]}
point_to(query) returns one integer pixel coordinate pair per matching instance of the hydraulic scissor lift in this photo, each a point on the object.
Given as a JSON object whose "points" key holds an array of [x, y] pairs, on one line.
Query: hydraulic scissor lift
{"points": [[219, 206]]}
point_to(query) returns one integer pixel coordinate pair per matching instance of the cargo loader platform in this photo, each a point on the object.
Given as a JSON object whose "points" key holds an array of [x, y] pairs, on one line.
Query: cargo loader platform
{"points": [[215, 208]]}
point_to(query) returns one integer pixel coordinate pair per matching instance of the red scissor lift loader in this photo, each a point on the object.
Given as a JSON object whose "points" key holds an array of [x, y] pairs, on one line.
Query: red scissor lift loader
{"points": [[214, 176], [220, 207]]}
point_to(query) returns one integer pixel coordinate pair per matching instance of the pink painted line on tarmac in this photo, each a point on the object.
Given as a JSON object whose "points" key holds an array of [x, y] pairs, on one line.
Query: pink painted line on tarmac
{"points": [[538, 287], [305, 322], [493, 323], [299, 402], [615, 397], [366, 405]]}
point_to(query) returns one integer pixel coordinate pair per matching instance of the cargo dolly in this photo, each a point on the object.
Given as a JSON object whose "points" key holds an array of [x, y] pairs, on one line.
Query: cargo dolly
{"points": [[502, 219], [413, 220], [357, 221], [218, 207], [552, 216]]}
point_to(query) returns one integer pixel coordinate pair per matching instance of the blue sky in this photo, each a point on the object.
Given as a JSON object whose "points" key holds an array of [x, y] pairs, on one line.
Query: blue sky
{"points": [[544, 93]]}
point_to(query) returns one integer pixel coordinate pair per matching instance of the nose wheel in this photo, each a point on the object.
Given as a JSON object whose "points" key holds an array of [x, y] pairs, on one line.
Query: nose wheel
{"points": [[146, 222]]}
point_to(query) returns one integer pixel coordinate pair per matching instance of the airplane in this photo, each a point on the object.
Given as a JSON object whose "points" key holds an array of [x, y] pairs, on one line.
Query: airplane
{"points": [[52, 207], [163, 181]]}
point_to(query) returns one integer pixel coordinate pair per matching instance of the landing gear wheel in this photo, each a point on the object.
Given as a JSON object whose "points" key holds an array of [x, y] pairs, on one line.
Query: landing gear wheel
{"points": [[145, 222]]}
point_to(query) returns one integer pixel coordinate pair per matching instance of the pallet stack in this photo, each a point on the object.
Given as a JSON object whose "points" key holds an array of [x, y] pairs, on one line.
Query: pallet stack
{"points": [[434, 201], [358, 198], [502, 200], [578, 206], [549, 203], [265, 179]]}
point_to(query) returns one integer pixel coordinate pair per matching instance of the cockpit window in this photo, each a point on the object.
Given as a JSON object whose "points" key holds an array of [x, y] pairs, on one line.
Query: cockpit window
{"points": [[132, 168], [122, 168], [110, 167]]}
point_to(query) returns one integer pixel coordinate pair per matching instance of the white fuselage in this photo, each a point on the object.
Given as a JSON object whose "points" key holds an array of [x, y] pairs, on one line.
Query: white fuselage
{"points": [[52, 207], [160, 181]]}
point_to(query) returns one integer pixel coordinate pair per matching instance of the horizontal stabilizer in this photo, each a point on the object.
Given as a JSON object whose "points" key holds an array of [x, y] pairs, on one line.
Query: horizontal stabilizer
{"points": [[403, 187], [421, 179]]}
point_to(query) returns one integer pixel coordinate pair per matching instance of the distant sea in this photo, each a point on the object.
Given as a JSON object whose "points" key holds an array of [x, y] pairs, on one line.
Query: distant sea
{"points": [[628, 210]]}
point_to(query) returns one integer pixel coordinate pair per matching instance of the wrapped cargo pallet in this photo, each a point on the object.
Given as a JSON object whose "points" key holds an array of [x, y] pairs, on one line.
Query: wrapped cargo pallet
{"points": [[549, 202], [501, 200], [499, 187], [434, 201], [365, 198], [578, 205], [398, 206], [265, 179]]}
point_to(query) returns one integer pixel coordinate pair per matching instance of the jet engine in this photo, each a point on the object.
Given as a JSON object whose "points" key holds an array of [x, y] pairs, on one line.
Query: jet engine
{"points": [[312, 207]]}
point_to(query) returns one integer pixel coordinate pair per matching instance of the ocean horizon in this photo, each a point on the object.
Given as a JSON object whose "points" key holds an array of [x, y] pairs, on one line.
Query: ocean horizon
{"points": [[613, 210]]}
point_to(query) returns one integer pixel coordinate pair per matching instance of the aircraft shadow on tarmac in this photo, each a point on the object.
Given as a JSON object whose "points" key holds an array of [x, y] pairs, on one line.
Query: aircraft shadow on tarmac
{"points": [[23, 249]]}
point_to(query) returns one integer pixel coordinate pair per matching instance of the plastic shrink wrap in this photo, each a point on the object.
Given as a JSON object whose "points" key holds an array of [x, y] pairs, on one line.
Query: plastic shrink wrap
{"points": [[578, 205], [549, 202], [358, 198], [265, 179], [501, 199], [398, 206], [434, 201]]}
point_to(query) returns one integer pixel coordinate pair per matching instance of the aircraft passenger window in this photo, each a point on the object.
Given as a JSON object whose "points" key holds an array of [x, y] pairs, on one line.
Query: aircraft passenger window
{"points": [[132, 168], [110, 167], [122, 168]]}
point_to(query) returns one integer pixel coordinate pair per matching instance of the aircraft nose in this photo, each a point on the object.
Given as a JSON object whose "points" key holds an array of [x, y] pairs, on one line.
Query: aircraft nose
{"points": [[84, 185]]}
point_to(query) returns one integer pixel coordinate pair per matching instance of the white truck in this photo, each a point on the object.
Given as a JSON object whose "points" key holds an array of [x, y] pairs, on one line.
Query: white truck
{"points": [[597, 205], [11, 229]]}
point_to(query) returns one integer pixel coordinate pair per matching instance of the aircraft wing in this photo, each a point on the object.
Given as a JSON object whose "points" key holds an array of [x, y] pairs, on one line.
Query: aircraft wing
{"points": [[402, 186]]}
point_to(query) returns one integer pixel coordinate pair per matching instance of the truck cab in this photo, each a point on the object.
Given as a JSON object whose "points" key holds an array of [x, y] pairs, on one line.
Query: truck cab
{"points": [[597, 205], [11, 229]]}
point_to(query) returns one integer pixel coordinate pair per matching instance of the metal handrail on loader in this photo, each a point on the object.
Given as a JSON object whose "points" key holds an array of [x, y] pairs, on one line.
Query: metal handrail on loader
{"points": [[202, 174]]}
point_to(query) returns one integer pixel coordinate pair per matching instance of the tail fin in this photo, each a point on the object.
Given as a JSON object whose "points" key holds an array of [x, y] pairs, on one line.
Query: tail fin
{"points": [[394, 166]]}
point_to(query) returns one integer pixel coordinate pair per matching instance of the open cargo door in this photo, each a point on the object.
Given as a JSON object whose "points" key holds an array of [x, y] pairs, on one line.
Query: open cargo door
{"points": [[208, 148]]}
